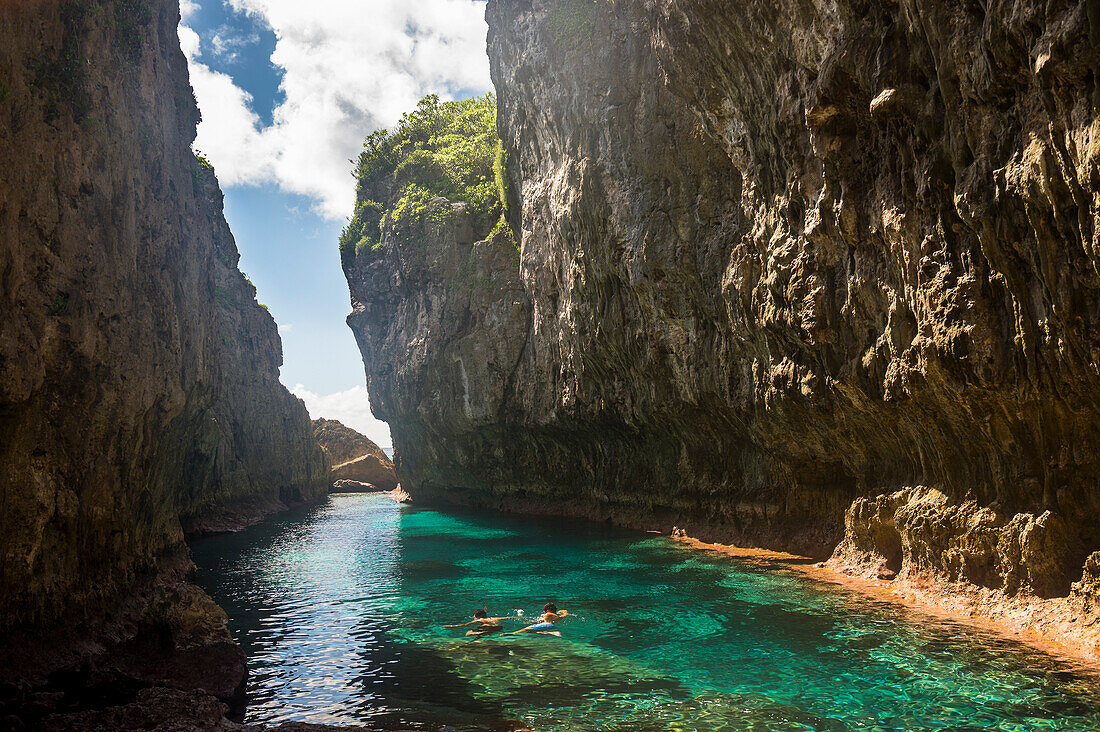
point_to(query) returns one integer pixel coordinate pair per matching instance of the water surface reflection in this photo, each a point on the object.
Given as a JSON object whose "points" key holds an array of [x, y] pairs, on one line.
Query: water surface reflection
{"points": [[340, 609]]}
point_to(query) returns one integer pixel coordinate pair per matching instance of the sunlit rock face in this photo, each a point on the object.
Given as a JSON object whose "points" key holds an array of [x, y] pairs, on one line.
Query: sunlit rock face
{"points": [[356, 459], [139, 392], [777, 259]]}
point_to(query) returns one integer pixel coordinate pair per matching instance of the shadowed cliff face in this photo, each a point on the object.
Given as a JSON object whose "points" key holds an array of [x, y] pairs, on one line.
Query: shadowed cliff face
{"points": [[139, 389], [778, 259], [252, 451]]}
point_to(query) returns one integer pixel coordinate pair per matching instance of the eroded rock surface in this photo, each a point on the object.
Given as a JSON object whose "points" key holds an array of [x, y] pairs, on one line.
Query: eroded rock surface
{"points": [[139, 392], [781, 263], [922, 530]]}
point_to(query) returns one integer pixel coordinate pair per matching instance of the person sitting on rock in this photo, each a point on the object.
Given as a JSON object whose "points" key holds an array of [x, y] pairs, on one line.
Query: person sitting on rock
{"points": [[550, 615], [486, 625]]}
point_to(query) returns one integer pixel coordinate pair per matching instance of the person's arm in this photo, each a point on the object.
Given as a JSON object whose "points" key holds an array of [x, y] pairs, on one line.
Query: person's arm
{"points": [[512, 617], [460, 626]]}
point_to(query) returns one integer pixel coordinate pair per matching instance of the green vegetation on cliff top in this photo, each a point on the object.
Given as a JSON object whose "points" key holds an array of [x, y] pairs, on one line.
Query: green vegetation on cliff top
{"points": [[440, 149]]}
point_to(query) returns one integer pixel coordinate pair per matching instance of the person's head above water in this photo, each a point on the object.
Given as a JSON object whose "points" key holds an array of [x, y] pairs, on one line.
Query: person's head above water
{"points": [[481, 613], [549, 608]]}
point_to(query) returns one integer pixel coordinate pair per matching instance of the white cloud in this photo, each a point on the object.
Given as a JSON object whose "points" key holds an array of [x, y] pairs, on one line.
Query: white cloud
{"points": [[188, 8], [227, 43], [349, 67], [352, 407], [232, 140], [229, 132], [189, 42]]}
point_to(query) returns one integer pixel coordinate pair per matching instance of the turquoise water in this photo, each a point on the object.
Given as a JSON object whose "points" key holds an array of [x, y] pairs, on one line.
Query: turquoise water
{"points": [[339, 610]]}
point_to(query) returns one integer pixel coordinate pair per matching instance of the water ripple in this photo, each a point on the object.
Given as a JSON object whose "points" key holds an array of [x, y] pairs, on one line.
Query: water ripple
{"points": [[340, 610]]}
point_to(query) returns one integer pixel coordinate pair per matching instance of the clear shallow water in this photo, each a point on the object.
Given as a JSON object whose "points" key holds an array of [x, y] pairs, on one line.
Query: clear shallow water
{"points": [[339, 610]]}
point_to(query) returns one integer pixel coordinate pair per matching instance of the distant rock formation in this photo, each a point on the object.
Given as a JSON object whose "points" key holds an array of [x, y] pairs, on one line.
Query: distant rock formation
{"points": [[354, 486], [139, 392], [354, 457]]}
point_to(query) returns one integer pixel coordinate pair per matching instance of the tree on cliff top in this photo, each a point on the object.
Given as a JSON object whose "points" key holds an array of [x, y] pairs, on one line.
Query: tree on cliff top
{"points": [[446, 149]]}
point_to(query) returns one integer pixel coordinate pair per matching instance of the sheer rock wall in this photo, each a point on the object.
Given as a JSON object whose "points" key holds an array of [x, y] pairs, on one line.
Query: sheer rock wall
{"points": [[139, 391], [787, 269]]}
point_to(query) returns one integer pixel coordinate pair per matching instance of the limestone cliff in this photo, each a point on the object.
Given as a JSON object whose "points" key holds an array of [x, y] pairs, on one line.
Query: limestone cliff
{"points": [[139, 390], [253, 450], [811, 276]]}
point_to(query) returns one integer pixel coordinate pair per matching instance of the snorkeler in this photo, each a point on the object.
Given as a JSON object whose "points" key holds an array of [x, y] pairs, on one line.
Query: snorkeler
{"points": [[486, 625], [550, 615]]}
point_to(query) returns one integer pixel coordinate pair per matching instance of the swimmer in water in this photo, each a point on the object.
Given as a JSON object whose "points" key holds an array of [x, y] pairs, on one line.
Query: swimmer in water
{"points": [[550, 615], [486, 625]]}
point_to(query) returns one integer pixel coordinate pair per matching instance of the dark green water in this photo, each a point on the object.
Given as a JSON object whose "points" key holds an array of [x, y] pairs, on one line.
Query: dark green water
{"points": [[339, 610]]}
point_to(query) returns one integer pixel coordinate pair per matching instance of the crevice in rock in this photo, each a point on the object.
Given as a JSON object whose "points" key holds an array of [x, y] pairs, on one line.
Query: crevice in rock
{"points": [[887, 542]]}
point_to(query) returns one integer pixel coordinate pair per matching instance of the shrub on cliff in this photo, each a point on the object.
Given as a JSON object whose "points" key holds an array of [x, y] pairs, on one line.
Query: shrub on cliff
{"points": [[446, 149]]}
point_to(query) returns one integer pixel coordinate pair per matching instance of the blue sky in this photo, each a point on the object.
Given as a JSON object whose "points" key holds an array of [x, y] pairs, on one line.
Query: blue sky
{"points": [[288, 90]]}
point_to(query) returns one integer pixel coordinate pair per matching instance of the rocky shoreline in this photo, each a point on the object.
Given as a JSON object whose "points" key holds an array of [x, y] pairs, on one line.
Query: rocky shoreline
{"points": [[1065, 629], [163, 639]]}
